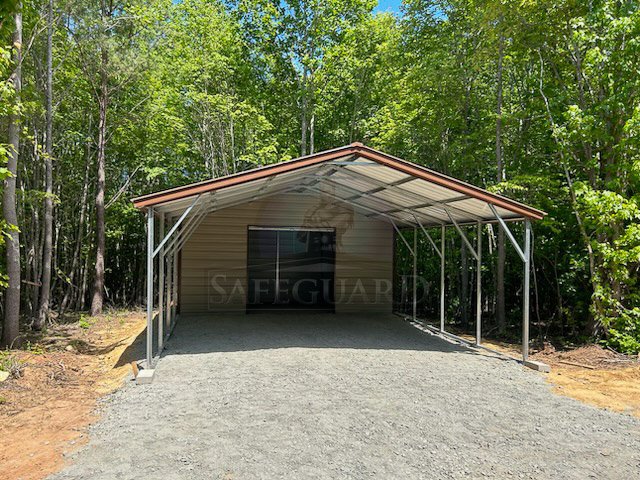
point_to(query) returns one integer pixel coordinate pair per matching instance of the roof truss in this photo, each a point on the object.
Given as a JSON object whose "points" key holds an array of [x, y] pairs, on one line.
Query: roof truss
{"points": [[382, 185]]}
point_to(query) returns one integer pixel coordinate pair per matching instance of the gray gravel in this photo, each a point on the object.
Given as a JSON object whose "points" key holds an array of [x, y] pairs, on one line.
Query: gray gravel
{"points": [[313, 396]]}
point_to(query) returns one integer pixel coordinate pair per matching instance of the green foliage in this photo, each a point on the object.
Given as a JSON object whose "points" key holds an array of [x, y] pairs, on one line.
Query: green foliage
{"points": [[202, 88], [569, 112], [615, 223], [85, 321], [35, 348]]}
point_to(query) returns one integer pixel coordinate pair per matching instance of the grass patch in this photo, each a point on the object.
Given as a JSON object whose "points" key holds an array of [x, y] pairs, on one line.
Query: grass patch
{"points": [[10, 364], [35, 348]]}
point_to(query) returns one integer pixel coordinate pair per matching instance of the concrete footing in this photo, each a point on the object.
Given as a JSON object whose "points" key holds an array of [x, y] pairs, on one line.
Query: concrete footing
{"points": [[145, 377], [538, 366]]}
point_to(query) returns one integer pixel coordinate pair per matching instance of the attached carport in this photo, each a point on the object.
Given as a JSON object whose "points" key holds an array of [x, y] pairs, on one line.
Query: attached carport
{"points": [[373, 187]]}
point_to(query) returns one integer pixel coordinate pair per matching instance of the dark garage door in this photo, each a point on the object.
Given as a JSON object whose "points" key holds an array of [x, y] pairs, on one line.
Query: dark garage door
{"points": [[291, 268]]}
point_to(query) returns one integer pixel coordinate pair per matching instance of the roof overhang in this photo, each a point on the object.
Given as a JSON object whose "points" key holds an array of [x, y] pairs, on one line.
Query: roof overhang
{"points": [[378, 184]]}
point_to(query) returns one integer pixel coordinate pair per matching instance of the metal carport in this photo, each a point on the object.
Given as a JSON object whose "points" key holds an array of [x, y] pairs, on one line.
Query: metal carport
{"points": [[377, 184]]}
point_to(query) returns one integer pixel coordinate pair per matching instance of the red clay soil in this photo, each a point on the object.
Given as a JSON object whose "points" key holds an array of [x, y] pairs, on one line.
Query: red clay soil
{"points": [[45, 412]]}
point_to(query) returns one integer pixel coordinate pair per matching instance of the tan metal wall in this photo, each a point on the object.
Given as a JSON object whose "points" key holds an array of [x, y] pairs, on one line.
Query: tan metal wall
{"points": [[214, 260]]}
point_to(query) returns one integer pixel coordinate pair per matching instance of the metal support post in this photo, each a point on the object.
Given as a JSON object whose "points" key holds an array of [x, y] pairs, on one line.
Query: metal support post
{"points": [[174, 308], [167, 314], [479, 286], [415, 272], [526, 293], [161, 284], [442, 239], [525, 255], [150, 241]]}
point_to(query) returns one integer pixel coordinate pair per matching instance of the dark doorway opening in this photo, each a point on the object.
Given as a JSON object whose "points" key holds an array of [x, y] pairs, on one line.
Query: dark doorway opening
{"points": [[291, 268]]}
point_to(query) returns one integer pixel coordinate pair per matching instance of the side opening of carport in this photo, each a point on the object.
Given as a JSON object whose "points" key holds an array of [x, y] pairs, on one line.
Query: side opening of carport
{"points": [[407, 196]]}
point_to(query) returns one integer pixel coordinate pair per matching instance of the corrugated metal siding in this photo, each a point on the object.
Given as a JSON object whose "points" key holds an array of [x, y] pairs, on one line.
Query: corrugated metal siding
{"points": [[215, 257]]}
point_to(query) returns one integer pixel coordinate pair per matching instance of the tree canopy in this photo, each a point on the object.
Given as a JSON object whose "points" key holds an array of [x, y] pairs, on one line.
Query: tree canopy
{"points": [[538, 100]]}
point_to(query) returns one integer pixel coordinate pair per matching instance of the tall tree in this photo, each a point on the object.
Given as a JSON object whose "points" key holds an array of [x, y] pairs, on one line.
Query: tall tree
{"points": [[104, 35], [11, 326], [102, 95], [45, 289]]}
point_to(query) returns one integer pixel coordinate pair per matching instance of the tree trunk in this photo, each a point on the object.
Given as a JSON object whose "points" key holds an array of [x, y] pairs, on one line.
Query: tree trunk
{"points": [[303, 115], [82, 294], [312, 139], [75, 262], [500, 306], [45, 289], [31, 236], [232, 134], [594, 324], [11, 328], [103, 101]]}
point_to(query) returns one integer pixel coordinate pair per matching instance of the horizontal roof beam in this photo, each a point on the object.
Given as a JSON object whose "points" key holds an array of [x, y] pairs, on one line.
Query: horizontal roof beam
{"points": [[382, 188], [381, 200], [356, 150], [432, 204]]}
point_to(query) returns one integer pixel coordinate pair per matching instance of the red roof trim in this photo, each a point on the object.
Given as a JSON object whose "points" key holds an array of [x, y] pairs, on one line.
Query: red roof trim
{"points": [[320, 157], [239, 178]]}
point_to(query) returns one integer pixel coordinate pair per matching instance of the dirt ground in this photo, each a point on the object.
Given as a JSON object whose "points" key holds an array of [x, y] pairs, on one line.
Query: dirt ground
{"points": [[591, 374], [45, 412], [596, 376]]}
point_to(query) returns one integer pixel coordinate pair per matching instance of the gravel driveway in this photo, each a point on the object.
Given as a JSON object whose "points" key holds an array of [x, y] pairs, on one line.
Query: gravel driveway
{"points": [[322, 396]]}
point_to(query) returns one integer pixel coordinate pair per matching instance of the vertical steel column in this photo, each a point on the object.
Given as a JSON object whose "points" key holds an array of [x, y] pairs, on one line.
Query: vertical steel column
{"points": [[150, 241], [174, 308], [442, 278], [167, 314], [161, 285], [526, 293], [415, 273], [479, 286], [277, 272]]}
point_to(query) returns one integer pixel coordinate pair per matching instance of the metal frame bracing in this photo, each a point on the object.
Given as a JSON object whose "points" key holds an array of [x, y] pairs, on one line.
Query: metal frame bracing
{"points": [[184, 209], [523, 252]]}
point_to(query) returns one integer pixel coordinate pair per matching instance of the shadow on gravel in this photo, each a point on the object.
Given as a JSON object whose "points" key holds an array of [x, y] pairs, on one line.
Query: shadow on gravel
{"points": [[233, 333], [135, 351]]}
